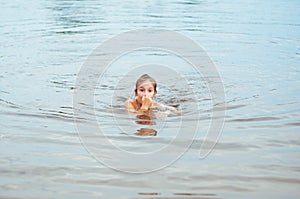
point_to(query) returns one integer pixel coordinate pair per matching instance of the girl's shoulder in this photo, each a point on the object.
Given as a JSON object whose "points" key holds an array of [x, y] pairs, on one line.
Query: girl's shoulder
{"points": [[155, 104], [131, 104]]}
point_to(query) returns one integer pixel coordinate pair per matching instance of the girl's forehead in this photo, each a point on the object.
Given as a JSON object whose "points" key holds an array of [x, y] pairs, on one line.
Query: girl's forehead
{"points": [[146, 84]]}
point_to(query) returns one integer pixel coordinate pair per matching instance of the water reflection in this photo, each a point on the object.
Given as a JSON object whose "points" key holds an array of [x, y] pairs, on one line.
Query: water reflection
{"points": [[146, 119], [149, 193], [146, 132]]}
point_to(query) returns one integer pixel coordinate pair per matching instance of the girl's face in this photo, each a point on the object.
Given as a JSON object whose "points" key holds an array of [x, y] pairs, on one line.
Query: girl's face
{"points": [[146, 89]]}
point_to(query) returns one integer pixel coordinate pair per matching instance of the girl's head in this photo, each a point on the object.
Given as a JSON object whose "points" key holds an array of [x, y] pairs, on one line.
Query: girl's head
{"points": [[145, 87]]}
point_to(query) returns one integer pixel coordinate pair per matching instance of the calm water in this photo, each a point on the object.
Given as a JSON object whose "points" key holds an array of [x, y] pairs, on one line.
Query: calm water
{"points": [[254, 44]]}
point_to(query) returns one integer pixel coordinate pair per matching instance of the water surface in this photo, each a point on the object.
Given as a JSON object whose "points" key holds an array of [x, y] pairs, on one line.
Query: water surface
{"points": [[255, 46]]}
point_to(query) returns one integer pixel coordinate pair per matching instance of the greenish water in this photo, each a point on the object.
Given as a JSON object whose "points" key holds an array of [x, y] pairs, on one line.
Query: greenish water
{"points": [[255, 46]]}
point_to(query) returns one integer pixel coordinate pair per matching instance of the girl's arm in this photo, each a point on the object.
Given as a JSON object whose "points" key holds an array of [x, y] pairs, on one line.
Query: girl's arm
{"points": [[169, 109]]}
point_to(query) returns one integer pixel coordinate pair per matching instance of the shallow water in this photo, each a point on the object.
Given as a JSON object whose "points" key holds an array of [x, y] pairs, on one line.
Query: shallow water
{"points": [[255, 46]]}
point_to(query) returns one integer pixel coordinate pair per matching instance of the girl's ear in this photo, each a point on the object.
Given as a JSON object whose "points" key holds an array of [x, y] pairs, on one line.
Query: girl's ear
{"points": [[154, 94]]}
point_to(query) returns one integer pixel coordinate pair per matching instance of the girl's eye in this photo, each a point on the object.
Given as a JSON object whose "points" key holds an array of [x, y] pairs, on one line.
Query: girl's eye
{"points": [[150, 91]]}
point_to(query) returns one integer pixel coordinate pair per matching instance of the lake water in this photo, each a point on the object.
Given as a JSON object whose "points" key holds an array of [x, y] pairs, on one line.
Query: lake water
{"points": [[255, 46]]}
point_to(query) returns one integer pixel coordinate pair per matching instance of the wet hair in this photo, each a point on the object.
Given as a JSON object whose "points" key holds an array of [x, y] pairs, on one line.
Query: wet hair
{"points": [[144, 78]]}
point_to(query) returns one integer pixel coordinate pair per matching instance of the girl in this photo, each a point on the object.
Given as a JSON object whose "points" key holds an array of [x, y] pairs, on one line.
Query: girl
{"points": [[145, 92]]}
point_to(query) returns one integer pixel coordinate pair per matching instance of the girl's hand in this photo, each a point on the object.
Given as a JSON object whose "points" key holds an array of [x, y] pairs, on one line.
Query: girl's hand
{"points": [[147, 103]]}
